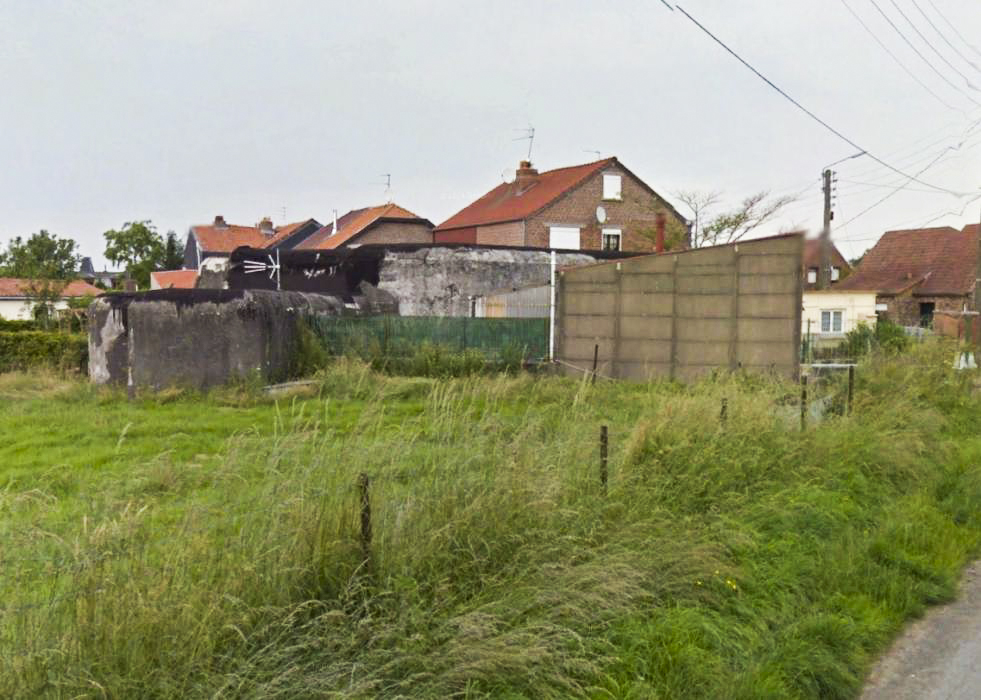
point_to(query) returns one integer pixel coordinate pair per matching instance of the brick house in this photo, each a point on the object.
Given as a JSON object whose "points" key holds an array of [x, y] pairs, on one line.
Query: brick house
{"points": [[596, 206], [918, 272], [219, 239], [385, 224], [840, 268]]}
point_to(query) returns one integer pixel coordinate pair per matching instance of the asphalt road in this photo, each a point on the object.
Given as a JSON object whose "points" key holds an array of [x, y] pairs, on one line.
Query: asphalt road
{"points": [[939, 656]]}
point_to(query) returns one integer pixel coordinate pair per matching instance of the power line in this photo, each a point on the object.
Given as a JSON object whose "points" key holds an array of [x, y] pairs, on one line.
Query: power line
{"points": [[932, 47], [894, 192], [808, 112], [896, 58], [951, 25], [944, 37], [919, 53]]}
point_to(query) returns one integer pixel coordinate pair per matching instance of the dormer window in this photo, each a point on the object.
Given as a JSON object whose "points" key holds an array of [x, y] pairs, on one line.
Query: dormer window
{"points": [[812, 275], [835, 274], [612, 187]]}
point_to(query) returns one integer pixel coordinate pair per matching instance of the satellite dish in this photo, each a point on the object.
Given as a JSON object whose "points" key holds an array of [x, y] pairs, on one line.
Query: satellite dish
{"points": [[601, 215]]}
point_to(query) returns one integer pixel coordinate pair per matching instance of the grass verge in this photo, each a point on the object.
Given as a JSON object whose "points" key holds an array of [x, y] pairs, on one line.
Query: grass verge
{"points": [[738, 560]]}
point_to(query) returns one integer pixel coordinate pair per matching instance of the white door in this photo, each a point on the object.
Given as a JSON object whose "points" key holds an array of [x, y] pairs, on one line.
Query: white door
{"points": [[563, 237]]}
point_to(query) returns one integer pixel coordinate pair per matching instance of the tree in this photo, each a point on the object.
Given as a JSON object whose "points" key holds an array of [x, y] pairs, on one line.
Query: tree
{"points": [[139, 247], [729, 226], [173, 252], [42, 256], [47, 263]]}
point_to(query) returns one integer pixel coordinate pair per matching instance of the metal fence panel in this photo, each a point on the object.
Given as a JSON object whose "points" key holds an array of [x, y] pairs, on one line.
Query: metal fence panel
{"points": [[401, 336]]}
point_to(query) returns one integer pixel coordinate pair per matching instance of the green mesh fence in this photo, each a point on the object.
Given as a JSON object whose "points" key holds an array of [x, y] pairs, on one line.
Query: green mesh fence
{"points": [[402, 336]]}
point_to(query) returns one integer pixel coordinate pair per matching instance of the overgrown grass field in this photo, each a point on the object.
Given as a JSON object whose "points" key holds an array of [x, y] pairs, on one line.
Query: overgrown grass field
{"points": [[182, 545]]}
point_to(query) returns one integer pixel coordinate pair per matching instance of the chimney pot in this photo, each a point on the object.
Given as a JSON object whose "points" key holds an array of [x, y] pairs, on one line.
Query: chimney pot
{"points": [[266, 227], [525, 174], [660, 222], [220, 221]]}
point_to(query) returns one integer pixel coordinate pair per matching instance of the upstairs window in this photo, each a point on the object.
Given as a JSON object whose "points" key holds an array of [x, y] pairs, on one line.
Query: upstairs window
{"points": [[835, 274], [812, 275], [612, 187], [611, 239]]}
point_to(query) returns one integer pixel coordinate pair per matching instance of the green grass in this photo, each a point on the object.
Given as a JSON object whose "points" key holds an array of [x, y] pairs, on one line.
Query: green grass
{"points": [[186, 545]]}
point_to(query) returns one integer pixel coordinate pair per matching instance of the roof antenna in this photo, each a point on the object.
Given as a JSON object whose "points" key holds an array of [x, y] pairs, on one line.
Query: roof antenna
{"points": [[529, 134], [283, 209], [599, 154], [388, 187]]}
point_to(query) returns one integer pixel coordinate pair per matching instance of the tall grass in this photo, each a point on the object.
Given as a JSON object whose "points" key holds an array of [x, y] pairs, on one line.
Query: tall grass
{"points": [[738, 560]]}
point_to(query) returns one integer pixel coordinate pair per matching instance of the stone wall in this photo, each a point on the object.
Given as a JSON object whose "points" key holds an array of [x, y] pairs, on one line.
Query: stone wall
{"points": [[440, 281], [391, 232], [904, 309], [197, 338]]}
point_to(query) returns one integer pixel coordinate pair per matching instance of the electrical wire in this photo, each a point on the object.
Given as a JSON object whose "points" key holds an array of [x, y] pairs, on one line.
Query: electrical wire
{"points": [[809, 113], [951, 25], [896, 58], [920, 53], [944, 37], [932, 47]]}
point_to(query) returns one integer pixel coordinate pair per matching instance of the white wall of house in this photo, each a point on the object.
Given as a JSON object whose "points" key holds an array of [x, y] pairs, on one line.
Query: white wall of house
{"points": [[19, 309], [832, 314]]}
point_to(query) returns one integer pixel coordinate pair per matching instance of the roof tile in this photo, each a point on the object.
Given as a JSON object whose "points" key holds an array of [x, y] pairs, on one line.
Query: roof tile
{"points": [[510, 201], [936, 261]]}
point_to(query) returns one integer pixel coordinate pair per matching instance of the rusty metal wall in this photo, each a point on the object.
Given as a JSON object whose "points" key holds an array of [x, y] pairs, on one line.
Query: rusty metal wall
{"points": [[682, 315]]}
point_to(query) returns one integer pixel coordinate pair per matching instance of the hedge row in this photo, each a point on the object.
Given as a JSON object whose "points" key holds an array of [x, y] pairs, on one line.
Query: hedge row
{"points": [[21, 350], [14, 325]]}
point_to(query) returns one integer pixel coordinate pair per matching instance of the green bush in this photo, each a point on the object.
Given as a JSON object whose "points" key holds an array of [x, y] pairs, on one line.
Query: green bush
{"points": [[884, 335], [13, 325], [20, 350]]}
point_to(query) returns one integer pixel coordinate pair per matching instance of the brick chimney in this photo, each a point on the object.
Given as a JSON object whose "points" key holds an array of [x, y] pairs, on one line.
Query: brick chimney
{"points": [[266, 227], [660, 222], [220, 222], [525, 175]]}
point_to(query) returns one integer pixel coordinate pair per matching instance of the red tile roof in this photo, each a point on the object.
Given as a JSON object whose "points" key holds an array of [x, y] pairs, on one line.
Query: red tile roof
{"points": [[176, 279], [356, 222], [512, 202], [225, 239], [14, 287], [934, 261], [812, 254]]}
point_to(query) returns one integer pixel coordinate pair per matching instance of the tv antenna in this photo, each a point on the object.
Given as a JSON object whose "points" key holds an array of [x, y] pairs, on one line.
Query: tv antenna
{"points": [[388, 186], [529, 134], [599, 154], [283, 209]]}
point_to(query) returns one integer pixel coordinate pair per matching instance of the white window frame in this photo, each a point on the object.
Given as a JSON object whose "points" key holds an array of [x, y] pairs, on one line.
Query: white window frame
{"points": [[812, 275], [835, 274], [561, 237], [833, 314], [611, 232], [612, 187]]}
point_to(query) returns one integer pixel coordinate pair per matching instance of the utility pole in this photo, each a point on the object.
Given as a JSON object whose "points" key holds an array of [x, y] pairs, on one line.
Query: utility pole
{"points": [[977, 281], [824, 272]]}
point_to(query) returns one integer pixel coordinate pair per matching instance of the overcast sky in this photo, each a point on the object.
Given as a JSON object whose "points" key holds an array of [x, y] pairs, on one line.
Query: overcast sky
{"points": [[114, 110]]}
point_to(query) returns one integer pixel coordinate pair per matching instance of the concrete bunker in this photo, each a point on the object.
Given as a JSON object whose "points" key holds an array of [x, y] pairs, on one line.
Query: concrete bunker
{"points": [[199, 337]]}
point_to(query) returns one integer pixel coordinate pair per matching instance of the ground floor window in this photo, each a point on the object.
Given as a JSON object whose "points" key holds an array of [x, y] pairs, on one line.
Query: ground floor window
{"points": [[832, 321], [611, 239], [926, 314]]}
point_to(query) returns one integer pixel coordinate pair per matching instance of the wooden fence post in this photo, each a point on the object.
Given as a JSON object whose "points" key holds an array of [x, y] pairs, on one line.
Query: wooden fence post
{"points": [[364, 486], [595, 361], [851, 387], [604, 469], [803, 401], [724, 413]]}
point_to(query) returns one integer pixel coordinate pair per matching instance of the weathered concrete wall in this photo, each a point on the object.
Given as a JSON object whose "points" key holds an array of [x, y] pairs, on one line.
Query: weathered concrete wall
{"points": [[685, 314], [440, 281], [197, 338]]}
